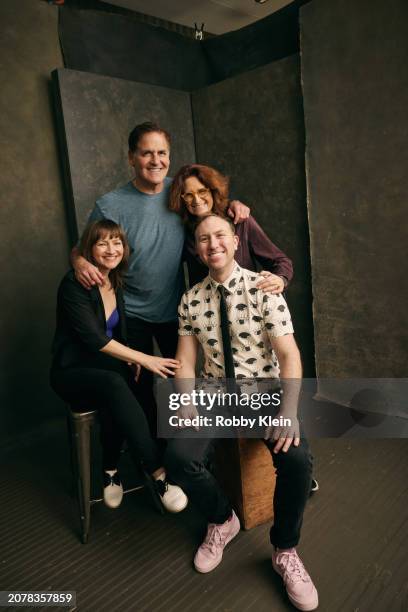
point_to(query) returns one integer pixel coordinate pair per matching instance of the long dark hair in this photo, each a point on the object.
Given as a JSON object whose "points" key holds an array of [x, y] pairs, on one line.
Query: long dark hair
{"points": [[98, 230]]}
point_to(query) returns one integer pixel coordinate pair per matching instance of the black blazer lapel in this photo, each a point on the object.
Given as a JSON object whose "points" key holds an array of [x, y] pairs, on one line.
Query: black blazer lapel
{"points": [[97, 305]]}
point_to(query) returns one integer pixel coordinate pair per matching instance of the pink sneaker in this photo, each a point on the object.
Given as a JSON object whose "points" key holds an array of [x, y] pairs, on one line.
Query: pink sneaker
{"points": [[299, 586], [209, 554]]}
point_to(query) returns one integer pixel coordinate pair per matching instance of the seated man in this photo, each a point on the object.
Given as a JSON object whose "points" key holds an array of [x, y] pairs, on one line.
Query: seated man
{"points": [[243, 319]]}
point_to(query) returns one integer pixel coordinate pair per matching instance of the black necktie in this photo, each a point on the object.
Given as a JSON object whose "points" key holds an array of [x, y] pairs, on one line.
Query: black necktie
{"points": [[226, 339]]}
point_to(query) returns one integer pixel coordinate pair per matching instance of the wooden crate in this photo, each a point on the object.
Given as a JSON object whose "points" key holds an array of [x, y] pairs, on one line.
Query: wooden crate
{"points": [[245, 471]]}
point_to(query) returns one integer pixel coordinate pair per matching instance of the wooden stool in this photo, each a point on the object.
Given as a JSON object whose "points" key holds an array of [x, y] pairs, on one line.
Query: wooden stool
{"points": [[245, 471]]}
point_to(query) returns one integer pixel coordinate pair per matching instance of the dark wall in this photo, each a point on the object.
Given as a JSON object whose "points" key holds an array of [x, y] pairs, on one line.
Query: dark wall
{"points": [[34, 246], [97, 113], [258, 44], [251, 128], [105, 7], [355, 83], [114, 45], [118, 46]]}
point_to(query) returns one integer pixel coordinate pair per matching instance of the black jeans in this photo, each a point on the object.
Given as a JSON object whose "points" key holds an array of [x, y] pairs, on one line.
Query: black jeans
{"points": [[140, 337], [110, 390], [185, 459]]}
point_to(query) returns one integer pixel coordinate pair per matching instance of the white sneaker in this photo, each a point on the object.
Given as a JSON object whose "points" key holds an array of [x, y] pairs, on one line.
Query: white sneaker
{"points": [[112, 489], [172, 497]]}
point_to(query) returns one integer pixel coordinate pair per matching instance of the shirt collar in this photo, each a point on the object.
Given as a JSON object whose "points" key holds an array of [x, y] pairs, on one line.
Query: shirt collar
{"points": [[230, 284]]}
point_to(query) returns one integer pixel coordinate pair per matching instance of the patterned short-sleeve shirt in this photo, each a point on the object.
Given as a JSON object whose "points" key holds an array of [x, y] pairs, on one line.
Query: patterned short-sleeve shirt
{"points": [[255, 317]]}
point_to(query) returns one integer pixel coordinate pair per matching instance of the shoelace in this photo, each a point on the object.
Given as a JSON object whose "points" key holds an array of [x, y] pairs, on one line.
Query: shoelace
{"points": [[111, 480], [162, 486], [214, 538], [293, 568]]}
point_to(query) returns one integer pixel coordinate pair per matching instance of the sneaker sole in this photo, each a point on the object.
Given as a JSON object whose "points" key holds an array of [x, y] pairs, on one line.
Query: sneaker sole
{"points": [[175, 511], [114, 505], [227, 541], [294, 602], [303, 608]]}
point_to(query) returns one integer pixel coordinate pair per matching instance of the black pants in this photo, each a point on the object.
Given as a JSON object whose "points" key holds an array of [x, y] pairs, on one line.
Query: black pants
{"points": [[110, 391], [140, 337], [185, 459]]}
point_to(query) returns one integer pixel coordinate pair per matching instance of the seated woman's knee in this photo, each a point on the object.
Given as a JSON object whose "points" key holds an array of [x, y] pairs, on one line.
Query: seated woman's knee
{"points": [[112, 383]]}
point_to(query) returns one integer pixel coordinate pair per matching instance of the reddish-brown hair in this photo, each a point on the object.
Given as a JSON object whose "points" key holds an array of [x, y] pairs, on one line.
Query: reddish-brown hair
{"points": [[216, 182], [97, 231]]}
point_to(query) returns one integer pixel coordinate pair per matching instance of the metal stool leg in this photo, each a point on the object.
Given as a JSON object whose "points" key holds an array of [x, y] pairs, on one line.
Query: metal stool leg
{"points": [[71, 444], [81, 424], [79, 428]]}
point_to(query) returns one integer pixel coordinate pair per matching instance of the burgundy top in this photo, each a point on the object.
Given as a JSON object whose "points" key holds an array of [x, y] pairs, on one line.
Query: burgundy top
{"points": [[254, 246]]}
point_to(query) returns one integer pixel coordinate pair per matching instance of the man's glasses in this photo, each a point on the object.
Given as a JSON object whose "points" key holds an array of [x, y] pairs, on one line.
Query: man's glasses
{"points": [[201, 193]]}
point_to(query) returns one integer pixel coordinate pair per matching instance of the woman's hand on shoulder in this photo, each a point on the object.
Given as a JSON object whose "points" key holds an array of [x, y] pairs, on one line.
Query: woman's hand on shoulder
{"points": [[271, 283], [238, 211], [162, 366]]}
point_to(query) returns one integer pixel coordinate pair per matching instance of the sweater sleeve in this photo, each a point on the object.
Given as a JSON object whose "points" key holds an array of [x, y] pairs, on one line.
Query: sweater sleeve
{"points": [[75, 306], [96, 214], [267, 253]]}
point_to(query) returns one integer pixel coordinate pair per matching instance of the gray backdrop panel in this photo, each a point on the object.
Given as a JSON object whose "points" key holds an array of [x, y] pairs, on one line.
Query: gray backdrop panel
{"points": [[251, 128], [34, 241], [262, 42], [355, 81], [96, 115], [118, 46]]}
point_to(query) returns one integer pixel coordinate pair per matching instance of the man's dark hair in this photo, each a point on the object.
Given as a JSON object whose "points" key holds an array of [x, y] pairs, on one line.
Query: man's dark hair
{"points": [[142, 129]]}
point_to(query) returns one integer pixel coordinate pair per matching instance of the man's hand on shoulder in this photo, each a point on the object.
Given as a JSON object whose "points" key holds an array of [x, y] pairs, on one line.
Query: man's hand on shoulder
{"points": [[238, 211], [86, 273]]}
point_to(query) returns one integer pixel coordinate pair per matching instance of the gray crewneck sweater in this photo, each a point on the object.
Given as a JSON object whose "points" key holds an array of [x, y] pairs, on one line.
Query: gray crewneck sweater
{"points": [[154, 281]]}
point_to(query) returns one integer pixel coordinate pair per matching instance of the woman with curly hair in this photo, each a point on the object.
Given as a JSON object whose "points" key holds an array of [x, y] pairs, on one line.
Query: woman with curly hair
{"points": [[198, 190]]}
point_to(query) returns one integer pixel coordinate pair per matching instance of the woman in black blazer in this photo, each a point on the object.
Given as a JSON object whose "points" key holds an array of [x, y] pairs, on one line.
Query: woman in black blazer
{"points": [[92, 366]]}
